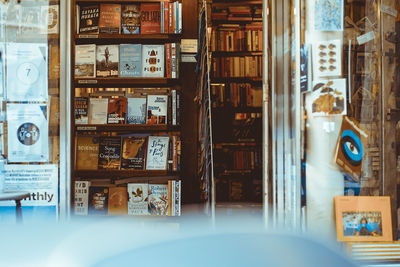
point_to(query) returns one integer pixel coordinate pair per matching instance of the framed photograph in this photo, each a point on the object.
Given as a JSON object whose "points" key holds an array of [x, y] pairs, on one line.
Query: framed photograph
{"points": [[363, 218]]}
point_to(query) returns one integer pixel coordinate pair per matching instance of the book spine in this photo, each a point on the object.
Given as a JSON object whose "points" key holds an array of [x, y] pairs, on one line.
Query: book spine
{"points": [[173, 195], [168, 60], [178, 56], [178, 198], [179, 153], [174, 107], [174, 23], [178, 108], [175, 153], [170, 110], [166, 17], [78, 12], [170, 197], [170, 155], [173, 60], [180, 17], [171, 20], [162, 17]]}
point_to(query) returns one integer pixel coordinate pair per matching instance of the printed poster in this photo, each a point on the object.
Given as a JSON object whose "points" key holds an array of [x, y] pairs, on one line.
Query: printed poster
{"points": [[329, 97], [328, 15]]}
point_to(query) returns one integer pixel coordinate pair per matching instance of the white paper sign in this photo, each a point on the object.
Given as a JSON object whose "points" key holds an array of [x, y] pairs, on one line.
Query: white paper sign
{"points": [[365, 38], [389, 10]]}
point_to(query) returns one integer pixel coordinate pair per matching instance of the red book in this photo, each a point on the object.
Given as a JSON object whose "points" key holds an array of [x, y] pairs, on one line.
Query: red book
{"points": [[117, 108], [110, 18], [150, 18], [168, 60], [166, 17]]}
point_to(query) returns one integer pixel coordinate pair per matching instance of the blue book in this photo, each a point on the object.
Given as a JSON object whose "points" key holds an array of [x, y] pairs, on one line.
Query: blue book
{"points": [[136, 110], [130, 60]]}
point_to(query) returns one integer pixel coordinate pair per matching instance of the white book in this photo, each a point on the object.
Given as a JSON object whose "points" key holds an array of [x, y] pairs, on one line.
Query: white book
{"points": [[50, 16], [85, 61], [138, 199], [98, 108], [157, 153], [178, 198], [180, 17], [157, 109], [153, 60], [136, 110], [81, 197], [158, 199], [27, 72], [27, 133], [173, 107]]}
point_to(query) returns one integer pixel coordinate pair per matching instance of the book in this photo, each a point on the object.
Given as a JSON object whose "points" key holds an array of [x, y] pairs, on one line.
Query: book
{"points": [[98, 200], [110, 153], [116, 113], [81, 110], [158, 199], [157, 109], [133, 152], [177, 201], [107, 60], [138, 199], [89, 18], [130, 60], [50, 15], [81, 200], [98, 110], [168, 60], [27, 133], [150, 18], [136, 110], [27, 72], [153, 60], [85, 61], [157, 153], [110, 18], [87, 153], [117, 201], [131, 19]]}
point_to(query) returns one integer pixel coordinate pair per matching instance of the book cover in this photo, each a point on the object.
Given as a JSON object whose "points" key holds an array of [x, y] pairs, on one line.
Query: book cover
{"points": [[329, 97], [158, 199], [85, 61], [50, 16], [81, 110], [117, 201], [153, 60], [98, 200], [157, 109], [136, 110], [27, 72], [81, 202], [130, 60], [107, 60], [98, 110], [138, 199], [110, 153], [157, 153], [328, 15], [116, 113], [150, 22], [133, 152], [27, 132], [110, 18], [131, 19], [89, 18], [87, 153]]}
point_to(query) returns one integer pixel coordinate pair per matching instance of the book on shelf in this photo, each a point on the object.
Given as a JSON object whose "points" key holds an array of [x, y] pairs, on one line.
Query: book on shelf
{"points": [[87, 153], [130, 19], [158, 199], [157, 109], [109, 153], [98, 110], [107, 60], [130, 60], [174, 198], [116, 112], [81, 110], [110, 18], [150, 18], [81, 198], [157, 153], [152, 60], [138, 198], [133, 152], [136, 110], [98, 200], [118, 200], [85, 61], [88, 19]]}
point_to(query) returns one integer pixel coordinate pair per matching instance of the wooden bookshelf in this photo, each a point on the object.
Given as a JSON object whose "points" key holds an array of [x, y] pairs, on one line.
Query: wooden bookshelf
{"points": [[126, 128], [116, 174], [119, 82]]}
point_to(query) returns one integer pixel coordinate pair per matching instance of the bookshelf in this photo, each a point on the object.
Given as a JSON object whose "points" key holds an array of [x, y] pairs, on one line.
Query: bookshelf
{"points": [[235, 49], [171, 127]]}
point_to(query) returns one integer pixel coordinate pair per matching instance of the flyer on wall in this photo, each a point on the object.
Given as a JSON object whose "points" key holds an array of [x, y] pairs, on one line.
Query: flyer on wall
{"points": [[27, 71], [28, 133], [41, 181]]}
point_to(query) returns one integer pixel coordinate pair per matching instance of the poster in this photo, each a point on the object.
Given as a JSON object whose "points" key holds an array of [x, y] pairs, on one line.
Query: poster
{"points": [[329, 97], [328, 15], [41, 181], [27, 133], [27, 72]]}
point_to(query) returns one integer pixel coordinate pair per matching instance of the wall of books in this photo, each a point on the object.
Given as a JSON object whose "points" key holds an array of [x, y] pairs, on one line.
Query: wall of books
{"points": [[30, 107]]}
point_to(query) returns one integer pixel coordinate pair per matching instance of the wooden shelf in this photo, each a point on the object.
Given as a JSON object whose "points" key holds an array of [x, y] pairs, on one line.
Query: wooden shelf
{"points": [[230, 109], [114, 174], [126, 127], [216, 22], [115, 1], [126, 38], [123, 82], [236, 53], [237, 80]]}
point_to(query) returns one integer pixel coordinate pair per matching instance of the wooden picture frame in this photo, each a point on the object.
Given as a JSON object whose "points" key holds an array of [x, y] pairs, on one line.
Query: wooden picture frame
{"points": [[363, 218]]}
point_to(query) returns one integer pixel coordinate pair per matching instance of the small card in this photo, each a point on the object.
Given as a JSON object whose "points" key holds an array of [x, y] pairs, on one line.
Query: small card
{"points": [[365, 38]]}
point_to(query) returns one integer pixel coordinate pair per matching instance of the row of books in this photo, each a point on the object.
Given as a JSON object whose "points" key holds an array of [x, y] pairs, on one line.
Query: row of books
{"points": [[233, 37], [127, 60], [242, 159], [238, 13], [237, 67], [133, 199], [237, 189], [151, 109], [134, 18], [128, 152], [236, 95]]}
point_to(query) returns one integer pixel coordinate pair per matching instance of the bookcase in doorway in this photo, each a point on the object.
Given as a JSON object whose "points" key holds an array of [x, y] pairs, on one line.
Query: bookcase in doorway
{"points": [[128, 136]]}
